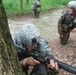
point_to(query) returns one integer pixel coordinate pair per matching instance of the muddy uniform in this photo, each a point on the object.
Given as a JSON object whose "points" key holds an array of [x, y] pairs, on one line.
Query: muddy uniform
{"points": [[23, 38], [35, 7], [22, 54], [42, 46], [65, 24]]}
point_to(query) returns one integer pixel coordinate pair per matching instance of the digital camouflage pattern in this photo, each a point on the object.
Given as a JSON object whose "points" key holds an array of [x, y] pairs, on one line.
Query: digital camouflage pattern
{"points": [[35, 7], [72, 4], [65, 24], [27, 33]]}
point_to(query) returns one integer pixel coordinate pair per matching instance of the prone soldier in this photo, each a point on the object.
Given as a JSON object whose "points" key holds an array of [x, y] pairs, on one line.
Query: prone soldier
{"points": [[34, 51], [29, 39], [67, 22]]}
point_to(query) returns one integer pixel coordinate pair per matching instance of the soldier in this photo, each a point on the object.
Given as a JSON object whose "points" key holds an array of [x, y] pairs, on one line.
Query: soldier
{"points": [[67, 22], [29, 39], [35, 7]]}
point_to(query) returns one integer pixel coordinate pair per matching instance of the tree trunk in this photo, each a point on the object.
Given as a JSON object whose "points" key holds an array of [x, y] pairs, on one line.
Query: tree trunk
{"points": [[27, 1], [21, 6], [9, 64]]}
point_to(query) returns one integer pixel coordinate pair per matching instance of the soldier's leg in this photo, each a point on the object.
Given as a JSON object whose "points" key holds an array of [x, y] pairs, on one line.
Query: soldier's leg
{"points": [[37, 13], [64, 38]]}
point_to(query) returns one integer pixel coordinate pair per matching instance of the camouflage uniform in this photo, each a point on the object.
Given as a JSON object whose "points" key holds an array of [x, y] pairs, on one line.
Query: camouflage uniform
{"points": [[65, 24], [35, 7], [24, 37]]}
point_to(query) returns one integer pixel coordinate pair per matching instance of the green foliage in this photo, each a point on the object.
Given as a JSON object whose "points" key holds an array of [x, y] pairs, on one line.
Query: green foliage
{"points": [[48, 4], [13, 6]]}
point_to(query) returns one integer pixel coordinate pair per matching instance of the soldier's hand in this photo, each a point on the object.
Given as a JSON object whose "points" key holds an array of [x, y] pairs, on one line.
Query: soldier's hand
{"points": [[30, 61], [74, 30], [53, 65]]}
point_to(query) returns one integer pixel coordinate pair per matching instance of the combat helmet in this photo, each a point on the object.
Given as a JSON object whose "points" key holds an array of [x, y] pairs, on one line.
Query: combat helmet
{"points": [[29, 34], [72, 4]]}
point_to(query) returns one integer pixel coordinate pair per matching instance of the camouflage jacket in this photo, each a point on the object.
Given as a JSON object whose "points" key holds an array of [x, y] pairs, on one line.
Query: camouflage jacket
{"points": [[66, 22], [35, 5], [42, 46]]}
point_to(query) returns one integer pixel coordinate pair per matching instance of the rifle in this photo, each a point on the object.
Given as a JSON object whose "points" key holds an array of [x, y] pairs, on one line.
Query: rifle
{"points": [[36, 54]]}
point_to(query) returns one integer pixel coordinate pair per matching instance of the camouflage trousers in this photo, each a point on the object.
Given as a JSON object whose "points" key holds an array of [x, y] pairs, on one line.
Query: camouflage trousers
{"points": [[63, 36], [36, 13]]}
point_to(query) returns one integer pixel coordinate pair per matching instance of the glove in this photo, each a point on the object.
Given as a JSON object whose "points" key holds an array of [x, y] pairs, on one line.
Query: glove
{"points": [[29, 61]]}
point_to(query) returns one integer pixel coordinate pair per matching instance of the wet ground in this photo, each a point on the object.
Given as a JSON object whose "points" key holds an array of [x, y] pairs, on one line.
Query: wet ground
{"points": [[47, 24]]}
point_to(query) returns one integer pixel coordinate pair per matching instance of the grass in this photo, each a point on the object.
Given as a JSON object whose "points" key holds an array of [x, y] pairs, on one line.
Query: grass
{"points": [[13, 6]]}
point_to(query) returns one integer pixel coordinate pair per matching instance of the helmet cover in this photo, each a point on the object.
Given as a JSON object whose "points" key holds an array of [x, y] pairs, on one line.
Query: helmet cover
{"points": [[27, 33]]}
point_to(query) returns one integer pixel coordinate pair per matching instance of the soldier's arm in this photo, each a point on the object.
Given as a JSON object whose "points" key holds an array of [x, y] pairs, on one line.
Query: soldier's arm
{"points": [[60, 22], [16, 40], [60, 25], [44, 47]]}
